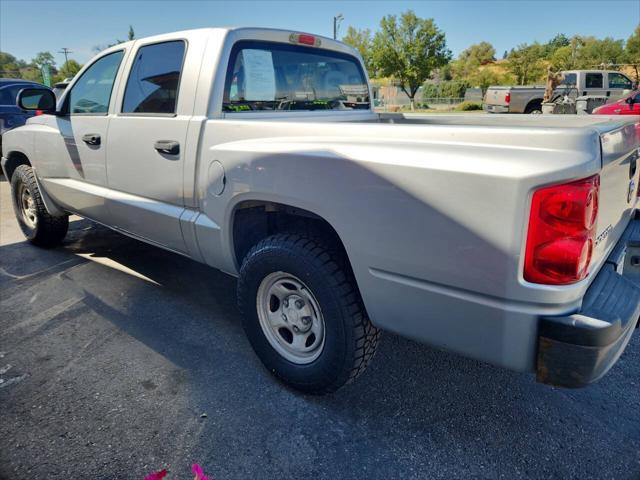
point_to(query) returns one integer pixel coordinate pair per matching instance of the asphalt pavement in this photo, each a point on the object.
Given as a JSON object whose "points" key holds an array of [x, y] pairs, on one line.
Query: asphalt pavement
{"points": [[118, 358]]}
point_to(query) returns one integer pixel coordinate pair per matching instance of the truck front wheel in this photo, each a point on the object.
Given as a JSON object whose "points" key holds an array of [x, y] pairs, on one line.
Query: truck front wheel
{"points": [[303, 314], [40, 227]]}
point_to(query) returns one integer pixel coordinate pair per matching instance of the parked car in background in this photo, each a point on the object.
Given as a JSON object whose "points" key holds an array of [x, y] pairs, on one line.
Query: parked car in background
{"points": [[11, 115], [576, 83], [510, 240], [60, 87], [629, 105]]}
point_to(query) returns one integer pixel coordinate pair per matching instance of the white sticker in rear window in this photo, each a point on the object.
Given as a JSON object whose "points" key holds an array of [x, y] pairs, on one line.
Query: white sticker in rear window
{"points": [[260, 76]]}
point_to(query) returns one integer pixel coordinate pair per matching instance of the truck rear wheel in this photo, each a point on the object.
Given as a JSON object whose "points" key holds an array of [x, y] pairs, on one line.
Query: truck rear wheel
{"points": [[303, 314], [534, 108], [40, 228]]}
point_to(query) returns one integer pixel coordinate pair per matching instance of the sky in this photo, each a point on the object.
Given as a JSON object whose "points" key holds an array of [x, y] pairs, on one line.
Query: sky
{"points": [[28, 27]]}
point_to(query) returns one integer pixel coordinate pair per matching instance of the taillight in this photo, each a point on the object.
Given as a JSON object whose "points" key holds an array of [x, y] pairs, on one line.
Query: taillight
{"points": [[562, 230], [304, 39], [507, 97], [39, 112]]}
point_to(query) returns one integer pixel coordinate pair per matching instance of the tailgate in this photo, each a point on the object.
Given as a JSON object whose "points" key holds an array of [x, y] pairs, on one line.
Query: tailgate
{"points": [[619, 181], [496, 96]]}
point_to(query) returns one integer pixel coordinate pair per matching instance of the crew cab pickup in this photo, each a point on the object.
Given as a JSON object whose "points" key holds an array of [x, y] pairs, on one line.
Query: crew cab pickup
{"points": [[513, 240], [576, 83]]}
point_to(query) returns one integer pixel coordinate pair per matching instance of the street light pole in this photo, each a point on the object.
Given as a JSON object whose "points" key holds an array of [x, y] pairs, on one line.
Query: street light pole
{"points": [[336, 24]]}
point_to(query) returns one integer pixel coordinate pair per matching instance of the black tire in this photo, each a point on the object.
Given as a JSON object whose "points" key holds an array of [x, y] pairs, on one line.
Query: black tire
{"points": [[350, 337], [47, 230]]}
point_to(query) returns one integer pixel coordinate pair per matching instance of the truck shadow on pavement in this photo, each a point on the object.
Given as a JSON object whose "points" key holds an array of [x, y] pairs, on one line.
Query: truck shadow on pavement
{"points": [[165, 336]]}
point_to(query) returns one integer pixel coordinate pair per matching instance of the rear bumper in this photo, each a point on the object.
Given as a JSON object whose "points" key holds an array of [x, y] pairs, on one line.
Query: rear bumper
{"points": [[497, 108], [578, 349]]}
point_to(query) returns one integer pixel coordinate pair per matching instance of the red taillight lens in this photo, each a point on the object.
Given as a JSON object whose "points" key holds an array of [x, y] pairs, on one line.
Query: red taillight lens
{"points": [[304, 39], [38, 112], [562, 229], [507, 98]]}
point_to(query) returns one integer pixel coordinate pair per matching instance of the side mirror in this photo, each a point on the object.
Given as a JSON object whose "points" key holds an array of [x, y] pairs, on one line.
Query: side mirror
{"points": [[630, 100], [41, 99]]}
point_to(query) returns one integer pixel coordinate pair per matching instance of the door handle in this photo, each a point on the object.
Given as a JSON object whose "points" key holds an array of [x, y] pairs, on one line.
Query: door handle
{"points": [[169, 147], [91, 139]]}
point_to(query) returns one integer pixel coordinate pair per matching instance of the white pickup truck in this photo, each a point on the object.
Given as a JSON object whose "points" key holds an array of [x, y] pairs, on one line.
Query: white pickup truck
{"points": [[513, 240]]}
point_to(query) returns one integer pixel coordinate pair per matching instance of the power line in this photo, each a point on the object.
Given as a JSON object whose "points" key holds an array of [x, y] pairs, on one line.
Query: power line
{"points": [[66, 52]]}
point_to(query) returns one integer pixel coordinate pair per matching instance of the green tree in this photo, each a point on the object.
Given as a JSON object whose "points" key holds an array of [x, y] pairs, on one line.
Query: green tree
{"points": [[632, 51], [484, 78], [525, 63], [44, 58], [480, 53], [562, 58], [559, 41], [409, 50], [594, 53], [469, 61], [10, 66], [69, 69], [361, 41]]}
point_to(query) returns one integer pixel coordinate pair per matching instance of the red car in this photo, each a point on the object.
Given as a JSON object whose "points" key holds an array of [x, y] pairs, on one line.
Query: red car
{"points": [[629, 105]]}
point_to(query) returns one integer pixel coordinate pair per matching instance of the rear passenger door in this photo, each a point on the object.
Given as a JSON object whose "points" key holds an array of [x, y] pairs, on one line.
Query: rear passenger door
{"points": [[146, 145]]}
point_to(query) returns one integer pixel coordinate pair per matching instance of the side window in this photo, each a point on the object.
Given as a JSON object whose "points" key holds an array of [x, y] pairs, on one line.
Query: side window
{"points": [[617, 80], [593, 80], [92, 92], [154, 79], [569, 80]]}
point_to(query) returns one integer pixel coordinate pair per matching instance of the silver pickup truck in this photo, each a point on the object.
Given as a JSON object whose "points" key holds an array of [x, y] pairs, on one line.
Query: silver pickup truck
{"points": [[510, 240], [576, 83]]}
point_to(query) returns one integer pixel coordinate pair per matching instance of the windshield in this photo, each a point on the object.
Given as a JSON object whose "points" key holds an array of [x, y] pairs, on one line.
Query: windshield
{"points": [[273, 76]]}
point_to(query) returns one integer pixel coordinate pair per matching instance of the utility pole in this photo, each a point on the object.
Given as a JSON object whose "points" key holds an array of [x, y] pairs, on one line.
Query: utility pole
{"points": [[66, 52], [336, 25]]}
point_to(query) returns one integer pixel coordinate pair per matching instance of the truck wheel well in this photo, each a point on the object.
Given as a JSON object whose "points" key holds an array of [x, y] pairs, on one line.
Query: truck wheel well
{"points": [[256, 220], [14, 160], [533, 105]]}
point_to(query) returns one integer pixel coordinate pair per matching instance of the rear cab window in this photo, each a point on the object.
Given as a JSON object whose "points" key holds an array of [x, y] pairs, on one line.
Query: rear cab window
{"points": [[279, 77]]}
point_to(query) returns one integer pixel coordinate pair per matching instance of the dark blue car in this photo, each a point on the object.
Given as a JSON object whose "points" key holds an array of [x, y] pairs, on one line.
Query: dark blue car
{"points": [[11, 116]]}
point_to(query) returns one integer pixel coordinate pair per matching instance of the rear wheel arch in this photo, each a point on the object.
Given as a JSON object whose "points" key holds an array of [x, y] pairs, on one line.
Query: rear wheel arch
{"points": [[534, 105], [254, 220]]}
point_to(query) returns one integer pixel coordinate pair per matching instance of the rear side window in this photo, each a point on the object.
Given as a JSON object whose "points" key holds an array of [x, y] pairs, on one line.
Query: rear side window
{"points": [[276, 76], [92, 91], [569, 80], [617, 80], [593, 80], [154, 79]]}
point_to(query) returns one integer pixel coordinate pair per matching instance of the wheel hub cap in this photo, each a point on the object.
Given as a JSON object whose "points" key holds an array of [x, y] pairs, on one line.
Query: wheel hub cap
{"points": [[290, 317], [27, 206]]}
